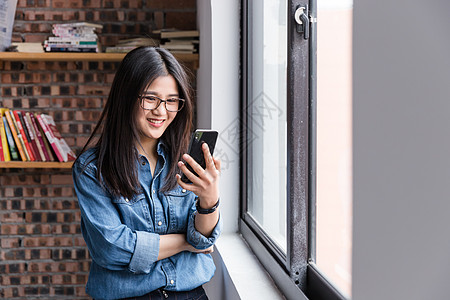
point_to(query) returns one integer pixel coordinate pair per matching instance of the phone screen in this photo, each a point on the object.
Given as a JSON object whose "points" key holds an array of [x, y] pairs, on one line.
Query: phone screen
{"points": [[199, 137]]}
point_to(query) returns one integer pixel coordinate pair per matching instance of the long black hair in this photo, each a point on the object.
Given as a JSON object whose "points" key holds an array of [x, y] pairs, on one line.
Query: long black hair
{"points": [[116, 146]]}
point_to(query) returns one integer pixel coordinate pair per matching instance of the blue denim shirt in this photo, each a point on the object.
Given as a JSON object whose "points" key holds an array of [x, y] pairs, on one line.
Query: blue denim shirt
{"points": [[122, 234]]}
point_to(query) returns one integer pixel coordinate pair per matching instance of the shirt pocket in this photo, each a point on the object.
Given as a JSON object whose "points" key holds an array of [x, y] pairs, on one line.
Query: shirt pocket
{"points": [[134, 212], [180, 202]]}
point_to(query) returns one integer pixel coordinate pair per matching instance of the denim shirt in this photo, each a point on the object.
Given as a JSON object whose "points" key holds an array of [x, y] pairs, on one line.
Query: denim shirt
{"points": [[122, 234]]}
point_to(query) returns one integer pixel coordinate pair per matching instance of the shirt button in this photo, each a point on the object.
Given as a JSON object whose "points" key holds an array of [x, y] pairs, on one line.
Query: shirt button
{"points": [[153, 191], [143, 162], [183, 190], [159, 223], [126, 200], [172, 282]]}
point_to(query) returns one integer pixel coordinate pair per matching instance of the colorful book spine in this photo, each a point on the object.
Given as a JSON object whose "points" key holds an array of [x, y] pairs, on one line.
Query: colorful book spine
{"points": [[27, 134], [51, 138], [15, 133], [35, 141], [20, 127], [41, 138], [32, 137], [9, 137], [47, 145], [4, 153], [64, 149]]}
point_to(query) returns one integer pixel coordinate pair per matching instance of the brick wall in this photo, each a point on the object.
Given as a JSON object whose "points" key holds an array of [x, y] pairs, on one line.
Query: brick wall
{"points": [[42, 252]]}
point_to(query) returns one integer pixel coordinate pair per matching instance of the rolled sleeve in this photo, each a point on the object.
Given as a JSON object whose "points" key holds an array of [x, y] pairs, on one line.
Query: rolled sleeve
{"points": [[145, 253], [198, 240]]}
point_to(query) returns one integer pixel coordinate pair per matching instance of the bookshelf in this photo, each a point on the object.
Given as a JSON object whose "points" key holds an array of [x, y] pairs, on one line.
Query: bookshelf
{"points": [[36, 164], [72, 56]]}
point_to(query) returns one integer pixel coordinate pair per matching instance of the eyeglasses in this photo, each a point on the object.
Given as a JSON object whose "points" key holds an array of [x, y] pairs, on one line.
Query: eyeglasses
{"points": [[150, 102]]}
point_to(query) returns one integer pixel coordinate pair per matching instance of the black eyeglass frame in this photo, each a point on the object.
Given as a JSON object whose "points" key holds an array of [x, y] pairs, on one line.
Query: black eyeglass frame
{"points": [[180, 103]]}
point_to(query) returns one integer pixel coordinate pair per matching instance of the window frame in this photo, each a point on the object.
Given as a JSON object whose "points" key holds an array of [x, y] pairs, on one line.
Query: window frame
{"points": [[294, 272]]}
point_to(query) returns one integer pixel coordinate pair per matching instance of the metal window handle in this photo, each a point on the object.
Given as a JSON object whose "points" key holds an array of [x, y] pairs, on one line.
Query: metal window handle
{"points": [[302, 20]]}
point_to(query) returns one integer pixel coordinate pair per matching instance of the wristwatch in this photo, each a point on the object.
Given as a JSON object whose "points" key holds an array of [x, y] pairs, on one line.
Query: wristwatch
{"points": [[204, 211]]}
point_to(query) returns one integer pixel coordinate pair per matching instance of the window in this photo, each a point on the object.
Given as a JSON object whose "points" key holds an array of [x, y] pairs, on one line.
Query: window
{"points": [[266, 119], [333, 136], [296, 158]]}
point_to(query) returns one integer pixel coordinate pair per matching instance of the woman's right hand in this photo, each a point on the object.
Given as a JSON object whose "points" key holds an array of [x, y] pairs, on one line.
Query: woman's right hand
{"points": [[204, 251]]}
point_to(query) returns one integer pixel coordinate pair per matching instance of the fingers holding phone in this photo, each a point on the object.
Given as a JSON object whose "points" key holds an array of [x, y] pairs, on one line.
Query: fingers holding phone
{"points": [[201, 171]]}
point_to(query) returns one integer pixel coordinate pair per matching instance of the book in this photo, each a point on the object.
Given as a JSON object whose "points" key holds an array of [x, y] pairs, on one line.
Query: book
{"points": [[28, 47], [12, 146], [119, 49], [67, 153], [2, 155], [173, 33], [4, 140], [185, 47], [8, 12], [73, 37], [75, 40], [34, 142], [50, 138], [32, 151], [42, 139], [59, 145], [138, 42], [15, 134], [78, 24], [70, 49], [23, 135]]}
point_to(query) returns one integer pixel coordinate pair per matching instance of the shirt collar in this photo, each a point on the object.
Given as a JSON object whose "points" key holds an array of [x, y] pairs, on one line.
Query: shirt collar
{"points": [[161, 149]]}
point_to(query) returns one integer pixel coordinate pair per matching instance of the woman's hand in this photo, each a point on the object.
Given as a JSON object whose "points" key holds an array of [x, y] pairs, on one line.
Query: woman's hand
{"points": [[171, 244], [195, 250], [206, 186]]}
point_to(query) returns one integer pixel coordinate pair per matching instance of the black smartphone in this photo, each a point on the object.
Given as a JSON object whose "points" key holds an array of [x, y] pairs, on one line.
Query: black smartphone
{"points": [[199, 137]]}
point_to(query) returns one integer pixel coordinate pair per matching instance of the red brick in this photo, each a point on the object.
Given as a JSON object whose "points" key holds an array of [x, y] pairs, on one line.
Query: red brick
{"points": [[10, 242], [9, 292], [6, 78], [35, 38], [21, 3], [43, 102], [81, 141], [79, 242], [65, 229], [11, 217], [61, 179]]}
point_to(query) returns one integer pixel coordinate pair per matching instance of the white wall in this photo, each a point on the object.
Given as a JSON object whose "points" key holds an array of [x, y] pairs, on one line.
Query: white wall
{"points": [[401, 149], [218, 94]]}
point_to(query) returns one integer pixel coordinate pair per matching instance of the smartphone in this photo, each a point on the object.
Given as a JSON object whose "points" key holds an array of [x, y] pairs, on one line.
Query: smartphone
{"points": [[199, 137]]}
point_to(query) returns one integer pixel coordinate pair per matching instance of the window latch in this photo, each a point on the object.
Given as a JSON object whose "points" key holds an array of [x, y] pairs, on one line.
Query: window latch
{"points": [[302, 20]]}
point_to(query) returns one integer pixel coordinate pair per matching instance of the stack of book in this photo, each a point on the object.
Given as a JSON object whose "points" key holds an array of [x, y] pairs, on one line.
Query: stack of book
{"points": [[73, 37], [127, 45], [178, 41], [27, 136]]}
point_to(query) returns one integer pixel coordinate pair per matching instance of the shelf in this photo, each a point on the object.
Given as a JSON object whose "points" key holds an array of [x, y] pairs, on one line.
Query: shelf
{"points": [[36, 164], [75, 56]]}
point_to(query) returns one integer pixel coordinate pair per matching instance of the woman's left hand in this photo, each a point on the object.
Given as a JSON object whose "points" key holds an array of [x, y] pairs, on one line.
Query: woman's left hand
{"points": [[206, 185]]}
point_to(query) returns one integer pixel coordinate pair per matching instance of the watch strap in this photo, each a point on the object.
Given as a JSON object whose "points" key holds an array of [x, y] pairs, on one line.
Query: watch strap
{"points": [[206, 211]]}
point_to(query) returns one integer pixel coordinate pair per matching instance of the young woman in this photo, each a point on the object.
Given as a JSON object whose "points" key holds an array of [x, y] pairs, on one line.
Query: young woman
{"points": [[149, 234]]}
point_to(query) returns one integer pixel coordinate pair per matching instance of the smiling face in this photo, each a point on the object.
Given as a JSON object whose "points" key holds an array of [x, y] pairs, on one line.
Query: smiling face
{"points": [[151, 124]]}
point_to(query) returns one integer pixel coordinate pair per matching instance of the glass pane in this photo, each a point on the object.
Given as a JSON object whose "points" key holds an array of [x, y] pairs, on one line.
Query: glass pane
{"points": [[267, 117], [334, 142]]}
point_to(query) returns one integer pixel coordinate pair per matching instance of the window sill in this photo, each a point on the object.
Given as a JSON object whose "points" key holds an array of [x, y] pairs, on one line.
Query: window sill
{"points": [[239, 274]]}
